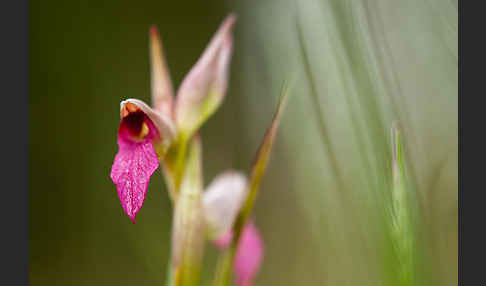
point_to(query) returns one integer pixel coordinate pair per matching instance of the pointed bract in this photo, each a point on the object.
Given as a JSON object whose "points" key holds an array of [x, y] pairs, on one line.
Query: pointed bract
{"points": [[264, 151], [204, 87], [223, 200], [249, 255], [161, 84], [261, 161]]}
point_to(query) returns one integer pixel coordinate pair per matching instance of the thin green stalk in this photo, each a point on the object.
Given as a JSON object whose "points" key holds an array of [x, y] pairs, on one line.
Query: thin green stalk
{"points": [[402, 228], [222, 275], [180, 159], [226, 258]]}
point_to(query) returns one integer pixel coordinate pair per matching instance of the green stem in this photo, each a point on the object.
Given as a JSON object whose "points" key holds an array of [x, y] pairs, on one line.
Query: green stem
{"points": [[173, 171], [188, 235], [170, 277], [222, 276], [223, 271], [179, 163], [173, 166]]}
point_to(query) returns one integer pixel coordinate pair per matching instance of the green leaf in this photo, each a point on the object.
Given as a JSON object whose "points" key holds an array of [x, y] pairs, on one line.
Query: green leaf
{"points": [[225, 263], [260, 164], [402, 227]]}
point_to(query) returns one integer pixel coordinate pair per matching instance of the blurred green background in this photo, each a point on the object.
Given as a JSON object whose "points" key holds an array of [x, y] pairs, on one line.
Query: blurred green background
{"points": [[355, 65]]}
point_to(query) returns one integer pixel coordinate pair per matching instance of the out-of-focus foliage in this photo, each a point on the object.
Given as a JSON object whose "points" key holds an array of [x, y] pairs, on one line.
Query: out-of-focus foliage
{"points": [[356, 66], [359, 65]]}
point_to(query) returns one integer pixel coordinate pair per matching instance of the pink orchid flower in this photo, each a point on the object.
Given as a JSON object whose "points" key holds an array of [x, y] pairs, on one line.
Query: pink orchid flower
{"points": [[145, 133], [249, 253], [221, 202], [231, 196], [140, 129]]}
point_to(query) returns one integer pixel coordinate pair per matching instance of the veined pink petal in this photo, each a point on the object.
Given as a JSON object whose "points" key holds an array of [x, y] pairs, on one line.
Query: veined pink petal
{"points": [[135, 161], [249, 255]]}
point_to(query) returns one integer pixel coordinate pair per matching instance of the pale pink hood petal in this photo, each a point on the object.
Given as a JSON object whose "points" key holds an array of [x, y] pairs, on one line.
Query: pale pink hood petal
{"points": [[204, 87], [249, 255], [164, 124], [223, 200]]}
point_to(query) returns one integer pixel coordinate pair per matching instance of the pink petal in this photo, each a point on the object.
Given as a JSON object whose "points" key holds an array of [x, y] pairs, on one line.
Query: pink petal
{"points": [[249, 255], [224, 240], [223, 200], [134, 163], [163, 124]]}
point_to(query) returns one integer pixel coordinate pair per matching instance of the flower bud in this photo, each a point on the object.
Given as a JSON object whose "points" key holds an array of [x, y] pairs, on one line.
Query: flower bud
{"points": [[222, 201], [204, 87]]}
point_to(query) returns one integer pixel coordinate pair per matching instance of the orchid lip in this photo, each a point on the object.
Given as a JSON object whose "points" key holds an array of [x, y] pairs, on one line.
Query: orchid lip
{"points": [[136, 159], [161, 128], [134, 126]]}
